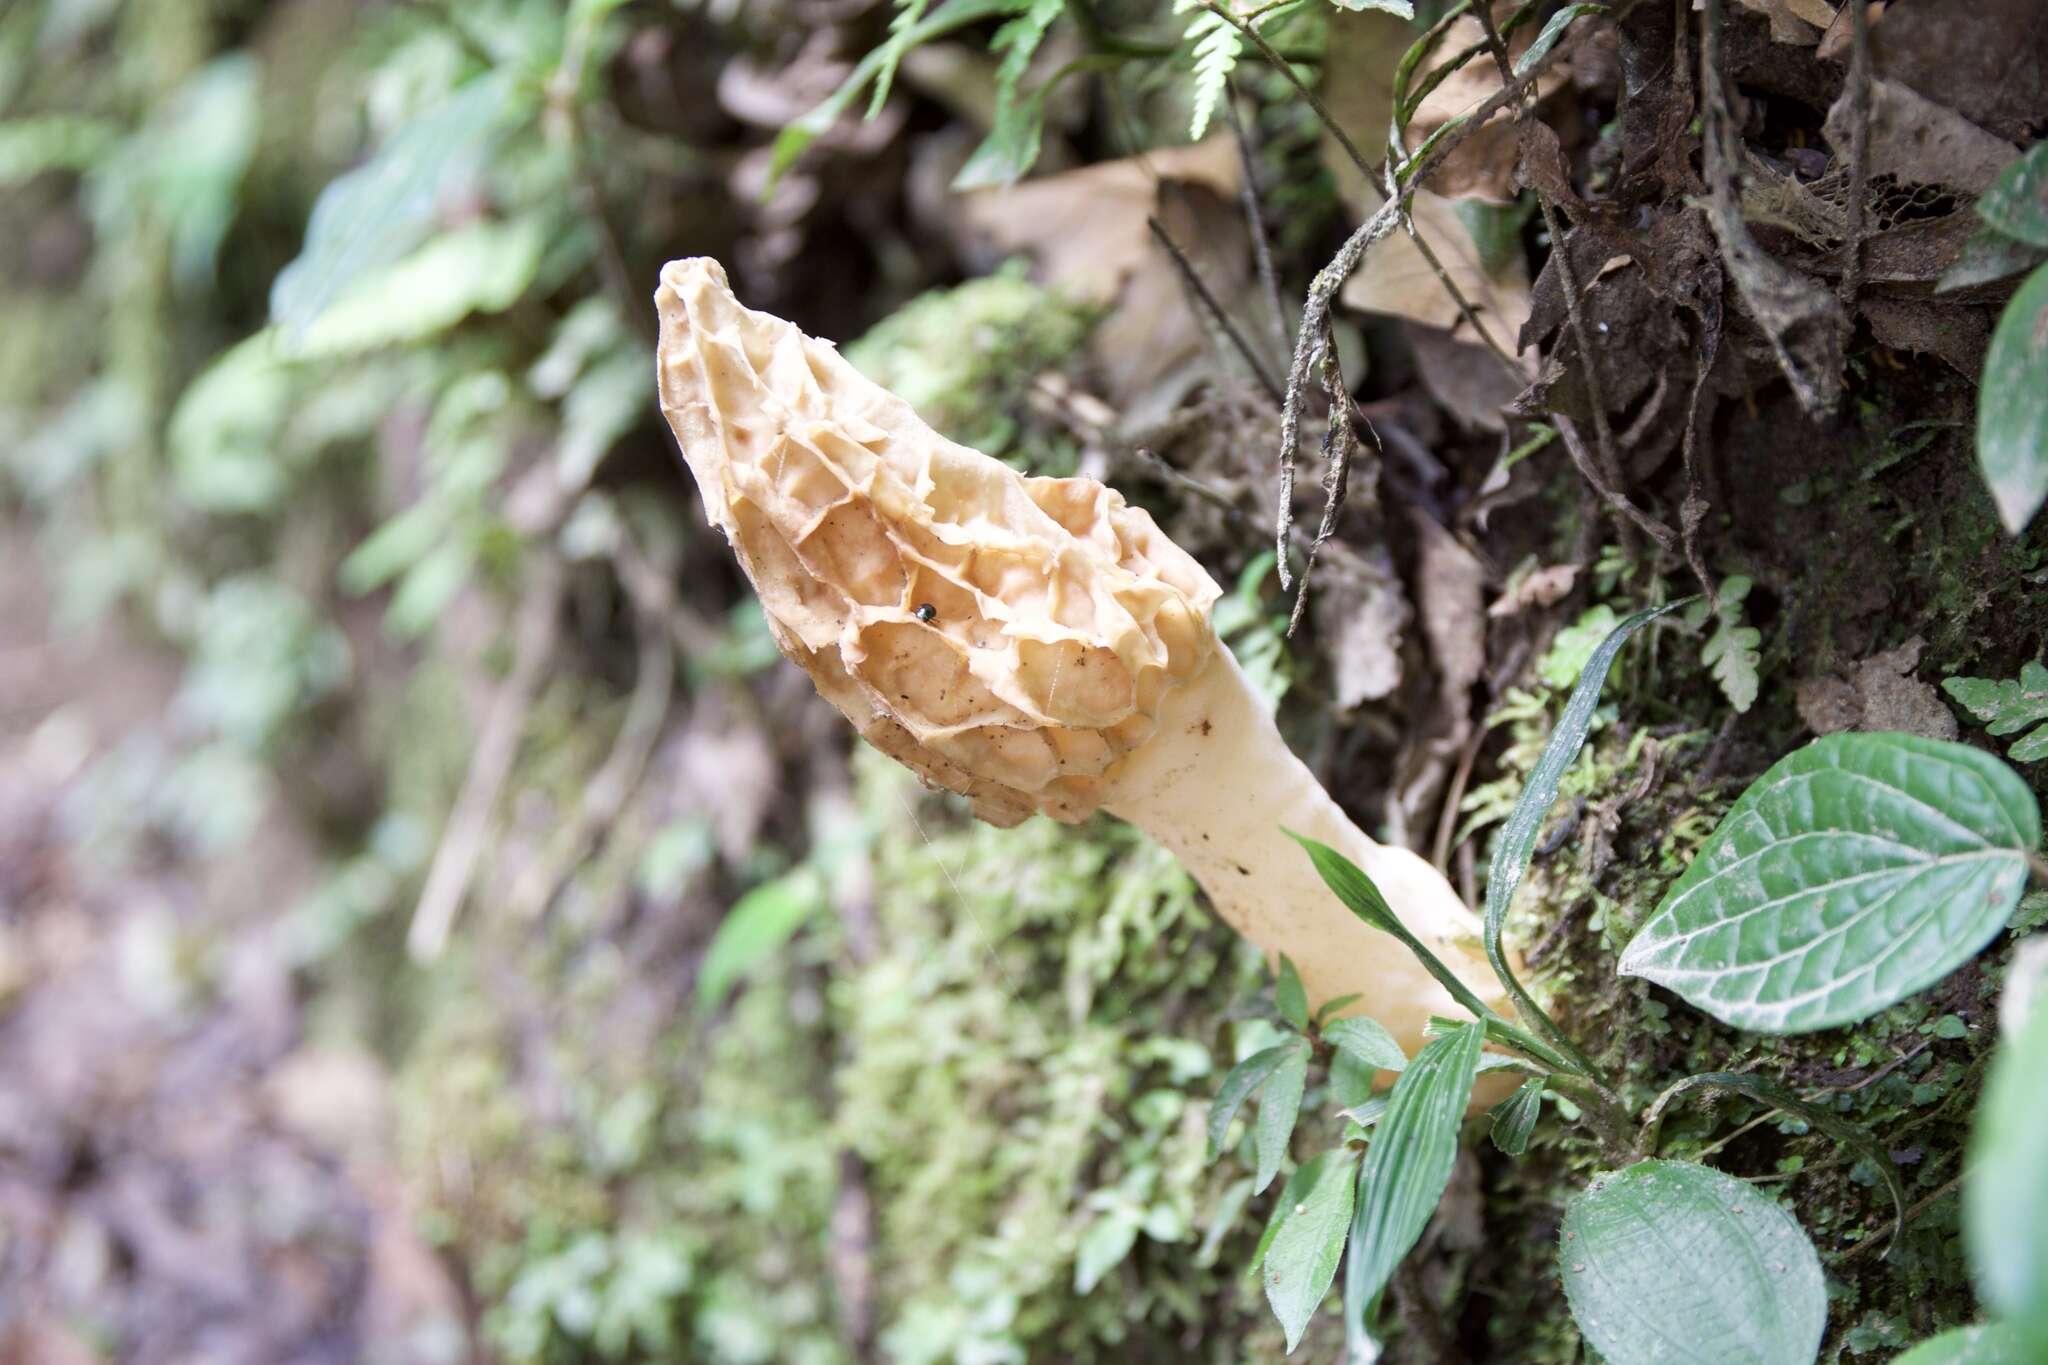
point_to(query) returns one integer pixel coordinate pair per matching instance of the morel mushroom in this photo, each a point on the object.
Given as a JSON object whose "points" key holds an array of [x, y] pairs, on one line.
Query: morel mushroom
{"points": [[1033, 644]]}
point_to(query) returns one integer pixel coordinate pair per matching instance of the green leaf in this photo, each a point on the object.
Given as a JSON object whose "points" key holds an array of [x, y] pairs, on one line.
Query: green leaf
{"points": [[1336, 1003], [1290, 995], [1730, 652], [1018, 127], [1356, 890], [1308, 1242], [758, 924], [1366, 1040], [1516, 844], [53, 142], [902, 25], [2012, 406], [2007, 707], [1279, 1107], [951, 15], [1239, 1085], [383, 208], [482, 267], [1988, 256], [2017, 203], [1413, 1148], [1103, 1247], [2005, 1182], [1551, 32], [1992, 1344], [1217, 46], [1403, 9], [1858, 870], [1514, 1118], [1669, 1261]]}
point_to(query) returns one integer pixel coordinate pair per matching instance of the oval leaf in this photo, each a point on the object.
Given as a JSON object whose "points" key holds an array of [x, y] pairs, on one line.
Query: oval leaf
{"points": [[1671, 1262], [1855, 872], [1995, 1344], [380, 210], [1309, 1241], [2005, 1182], [1366, 1040], [2012, 406], [1238, 1086], [1409, 1163], [1278, 1109]]}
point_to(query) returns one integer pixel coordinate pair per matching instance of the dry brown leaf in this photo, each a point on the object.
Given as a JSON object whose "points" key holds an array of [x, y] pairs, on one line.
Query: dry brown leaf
{"points": [[1799, 22], [1395, 278], [1086, 231], [1921, 142]]}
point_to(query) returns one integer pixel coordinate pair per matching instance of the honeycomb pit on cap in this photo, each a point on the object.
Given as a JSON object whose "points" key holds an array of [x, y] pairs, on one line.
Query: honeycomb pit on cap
{"points": [[1036, 645]]}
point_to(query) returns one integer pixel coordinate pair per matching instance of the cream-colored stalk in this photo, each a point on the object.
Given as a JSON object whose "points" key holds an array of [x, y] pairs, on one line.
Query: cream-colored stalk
{"points": [[1034, 644]]}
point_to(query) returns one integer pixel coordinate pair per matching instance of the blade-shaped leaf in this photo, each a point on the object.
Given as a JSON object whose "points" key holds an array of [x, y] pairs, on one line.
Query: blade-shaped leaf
{"points": [[2012, 406], [759, 923], [1516, 843], [1291, 996], [1301, 1262], [2005, 1182], [1514, 1118], [1366, 1040], [1547, 38], [1671, 1263], [1279, 1106], [1858, 870], [1409, 1163], [377, 212], [1239, 1085], [1993, 1344]]}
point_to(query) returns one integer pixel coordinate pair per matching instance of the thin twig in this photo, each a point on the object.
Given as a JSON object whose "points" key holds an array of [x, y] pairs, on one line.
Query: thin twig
{"points": [[1465, 308], [1193, 280], [1616, 500], [1255, 220], [462, 840], [1918, 1208], [1603, 429], [1314, 332], [1858, 95]]}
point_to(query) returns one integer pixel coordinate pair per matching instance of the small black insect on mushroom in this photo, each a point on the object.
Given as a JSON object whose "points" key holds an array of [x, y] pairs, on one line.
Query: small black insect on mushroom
{"points": [[927, 613]]}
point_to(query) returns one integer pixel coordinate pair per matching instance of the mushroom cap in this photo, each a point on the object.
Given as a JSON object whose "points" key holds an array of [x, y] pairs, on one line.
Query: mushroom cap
{"points": [[1058, 619]]}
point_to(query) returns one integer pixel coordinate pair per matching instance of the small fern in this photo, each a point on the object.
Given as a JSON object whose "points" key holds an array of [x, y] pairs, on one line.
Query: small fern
{"points": [[1732, 651], [902, 34], [1217, 46], [1019, 123]]}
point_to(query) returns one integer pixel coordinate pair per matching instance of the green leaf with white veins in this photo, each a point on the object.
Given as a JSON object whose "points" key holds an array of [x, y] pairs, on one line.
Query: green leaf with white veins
{"points": [[2008, 707], [1413, 1148], [1858, 870], [1671, 1263]]}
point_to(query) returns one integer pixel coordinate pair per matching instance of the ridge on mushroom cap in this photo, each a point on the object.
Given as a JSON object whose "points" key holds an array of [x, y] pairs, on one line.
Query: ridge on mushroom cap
{"points": [[1059, 616]]}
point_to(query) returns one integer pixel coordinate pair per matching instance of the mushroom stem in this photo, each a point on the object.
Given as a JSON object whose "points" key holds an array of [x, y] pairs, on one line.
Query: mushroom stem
{"points": [[1218, 786]]}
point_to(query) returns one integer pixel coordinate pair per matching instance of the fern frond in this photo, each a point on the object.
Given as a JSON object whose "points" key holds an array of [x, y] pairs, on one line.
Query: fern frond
{"points": [[901, 26], [1018, 41], [1217, 46]]}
